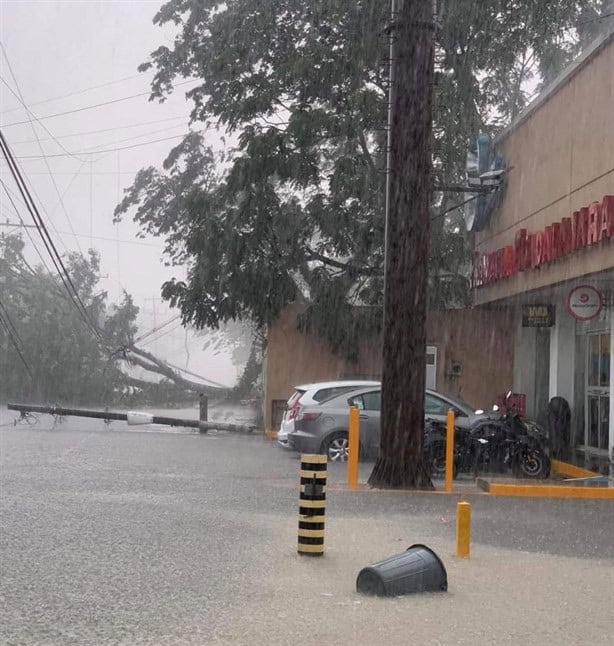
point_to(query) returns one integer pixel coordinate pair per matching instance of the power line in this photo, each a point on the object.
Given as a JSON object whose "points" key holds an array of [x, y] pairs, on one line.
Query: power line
{"points": [[193, 374], [101, 130], [159, 336], [87, 89], [31, 114], [46, 238], [85, 235], [4, 312], [92, 107], [38, 252], [123, 241], [17, 224], [110, 172], [43, 208], [19, 96], [112, 150], [96, 149], [7, 328], [156, 329]]}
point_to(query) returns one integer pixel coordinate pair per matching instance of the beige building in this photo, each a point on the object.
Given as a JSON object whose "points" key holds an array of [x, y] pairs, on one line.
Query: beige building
{"points": [[469, 354], [548, 249]]}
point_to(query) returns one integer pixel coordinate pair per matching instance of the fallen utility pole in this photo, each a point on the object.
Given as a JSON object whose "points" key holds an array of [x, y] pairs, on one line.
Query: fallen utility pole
{"points": [[133, 418]]}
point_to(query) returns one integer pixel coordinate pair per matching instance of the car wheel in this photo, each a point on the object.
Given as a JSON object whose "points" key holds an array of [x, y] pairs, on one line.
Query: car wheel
{"points": [[335, 447]]}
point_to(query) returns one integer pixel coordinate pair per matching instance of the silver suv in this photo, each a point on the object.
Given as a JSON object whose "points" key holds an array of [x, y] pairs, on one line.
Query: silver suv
{"points": [[312, 395]]}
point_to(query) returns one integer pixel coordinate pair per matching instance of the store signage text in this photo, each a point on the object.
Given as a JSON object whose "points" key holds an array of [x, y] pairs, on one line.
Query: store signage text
{"points": [[537, 315], [588, 226]]}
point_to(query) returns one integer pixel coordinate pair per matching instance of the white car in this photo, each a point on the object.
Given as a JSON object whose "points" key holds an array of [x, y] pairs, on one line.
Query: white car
{"points": [[312, 395]]}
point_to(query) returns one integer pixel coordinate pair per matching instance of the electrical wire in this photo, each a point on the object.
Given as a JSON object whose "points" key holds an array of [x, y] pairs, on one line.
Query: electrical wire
{"points": [[159, 336], [15, 344], [46, 237], [31, 115], [112, 150], [4, 312], [156, 329], [38, 252], [101, 130], [20, 200], [167, 129], [193, 374], [87, 89], [92, 107]]}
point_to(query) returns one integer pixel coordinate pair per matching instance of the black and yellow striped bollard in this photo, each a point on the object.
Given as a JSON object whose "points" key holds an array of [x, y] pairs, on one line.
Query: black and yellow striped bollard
{"points": [[312, 505]]}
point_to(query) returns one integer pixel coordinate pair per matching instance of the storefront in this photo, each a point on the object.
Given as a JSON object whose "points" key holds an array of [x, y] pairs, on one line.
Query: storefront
{"points": [[547, 250]]}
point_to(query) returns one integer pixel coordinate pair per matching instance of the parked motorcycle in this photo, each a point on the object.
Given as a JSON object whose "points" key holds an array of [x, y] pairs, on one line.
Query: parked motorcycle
{"points": [[511, 442], [500, 442], [434, 447]]}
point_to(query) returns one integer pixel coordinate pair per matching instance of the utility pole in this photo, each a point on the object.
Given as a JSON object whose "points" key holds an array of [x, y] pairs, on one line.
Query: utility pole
{"points": [[17, 225], [400, 462]]}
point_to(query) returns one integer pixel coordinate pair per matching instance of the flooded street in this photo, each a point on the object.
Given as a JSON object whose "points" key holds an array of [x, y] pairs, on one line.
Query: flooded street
{"points": [[122, 537]]}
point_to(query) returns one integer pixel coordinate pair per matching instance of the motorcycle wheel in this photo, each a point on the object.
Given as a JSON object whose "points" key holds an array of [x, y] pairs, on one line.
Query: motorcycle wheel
{"points": [[532, 464], [438, 462]]}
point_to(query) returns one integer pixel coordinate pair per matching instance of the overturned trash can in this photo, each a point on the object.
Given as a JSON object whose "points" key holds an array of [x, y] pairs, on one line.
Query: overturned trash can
{"points": [[418, 569]]}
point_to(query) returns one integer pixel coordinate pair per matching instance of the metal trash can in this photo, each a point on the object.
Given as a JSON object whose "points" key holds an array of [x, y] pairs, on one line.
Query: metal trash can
{"points": [[418, 569]]}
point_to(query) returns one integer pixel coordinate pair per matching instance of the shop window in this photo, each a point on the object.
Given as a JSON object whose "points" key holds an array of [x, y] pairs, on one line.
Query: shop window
{"points": [[598, 391]]}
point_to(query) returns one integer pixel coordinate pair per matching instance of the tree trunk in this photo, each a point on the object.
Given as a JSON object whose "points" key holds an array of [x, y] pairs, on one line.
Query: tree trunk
{"points": [[151, 363], [400, 464]]}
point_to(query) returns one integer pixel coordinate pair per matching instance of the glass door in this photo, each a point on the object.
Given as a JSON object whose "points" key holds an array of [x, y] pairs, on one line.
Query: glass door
{"points": [[598, 392]]}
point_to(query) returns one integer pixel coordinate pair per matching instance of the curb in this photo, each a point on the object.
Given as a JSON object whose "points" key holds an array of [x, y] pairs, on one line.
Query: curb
{"points": [[545, 491], [571, 470]]}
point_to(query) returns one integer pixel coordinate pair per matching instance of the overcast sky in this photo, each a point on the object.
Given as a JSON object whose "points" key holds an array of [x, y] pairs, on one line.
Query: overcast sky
{"points": [[60, 49]]}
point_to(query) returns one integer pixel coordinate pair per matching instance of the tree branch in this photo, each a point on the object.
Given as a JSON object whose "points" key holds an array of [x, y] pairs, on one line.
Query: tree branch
{"points": [[151, 363], [331, 262], [365, 150]]}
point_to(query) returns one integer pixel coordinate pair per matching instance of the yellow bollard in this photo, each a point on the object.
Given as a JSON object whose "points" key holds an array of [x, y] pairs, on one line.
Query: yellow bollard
{"points": [[353, 447], [463, 529], [312, 505], [449, 451]]}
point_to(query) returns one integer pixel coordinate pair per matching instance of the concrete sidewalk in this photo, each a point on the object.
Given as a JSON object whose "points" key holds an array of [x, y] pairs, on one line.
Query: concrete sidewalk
{"points": [[496, 597]]}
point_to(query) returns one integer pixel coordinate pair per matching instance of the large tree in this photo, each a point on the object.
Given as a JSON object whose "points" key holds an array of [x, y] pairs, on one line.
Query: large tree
{"points": [[294, 211], [295, 208]]}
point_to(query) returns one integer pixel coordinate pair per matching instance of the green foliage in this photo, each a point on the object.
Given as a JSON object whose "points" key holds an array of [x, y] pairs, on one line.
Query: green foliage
{"points": [[297, 210], [68, 363]]}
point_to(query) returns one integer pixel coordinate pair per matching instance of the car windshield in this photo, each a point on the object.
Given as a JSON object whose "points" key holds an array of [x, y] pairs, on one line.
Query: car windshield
{"points": [[256, 257], [460, 403]]}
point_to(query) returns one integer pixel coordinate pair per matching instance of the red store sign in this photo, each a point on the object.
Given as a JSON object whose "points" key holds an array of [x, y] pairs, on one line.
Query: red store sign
{"points": [[588, 226]]}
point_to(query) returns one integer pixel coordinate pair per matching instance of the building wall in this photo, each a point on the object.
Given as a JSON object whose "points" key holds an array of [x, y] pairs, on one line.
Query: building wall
{"points": [[479, 340], [560, 158]]}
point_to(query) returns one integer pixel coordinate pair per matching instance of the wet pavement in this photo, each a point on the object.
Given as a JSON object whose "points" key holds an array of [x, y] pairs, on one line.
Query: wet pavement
{"points": [[144, 536]]}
